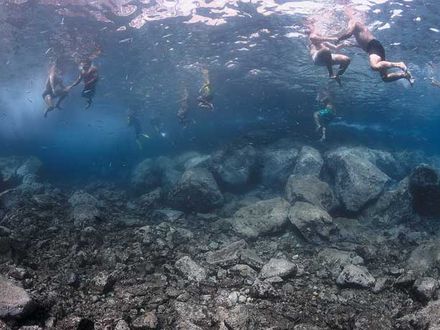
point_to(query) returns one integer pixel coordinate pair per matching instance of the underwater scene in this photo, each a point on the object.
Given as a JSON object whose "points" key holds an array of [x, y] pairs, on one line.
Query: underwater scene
{"points": [[219, 164]]}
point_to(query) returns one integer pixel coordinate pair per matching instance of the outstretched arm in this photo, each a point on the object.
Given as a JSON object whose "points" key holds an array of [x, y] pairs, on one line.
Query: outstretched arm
{"points": [[347, 34], [318, 39], [76, 82]]}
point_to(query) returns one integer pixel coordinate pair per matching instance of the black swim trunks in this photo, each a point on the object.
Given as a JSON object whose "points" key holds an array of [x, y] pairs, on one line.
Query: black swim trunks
{"points": [[322, 57], [88, 92], [375, 47]]}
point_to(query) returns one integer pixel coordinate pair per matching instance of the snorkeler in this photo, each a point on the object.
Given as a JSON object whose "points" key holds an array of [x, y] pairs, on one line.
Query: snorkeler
{"points": [[89, 74], [322, 56], [54, 89], [206, 94], [375, 50], [324, 117], [183, 108], [133, 121]]}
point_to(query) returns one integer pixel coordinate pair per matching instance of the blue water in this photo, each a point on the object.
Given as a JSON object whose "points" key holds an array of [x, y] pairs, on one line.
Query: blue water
{"points": [[258, 63]]}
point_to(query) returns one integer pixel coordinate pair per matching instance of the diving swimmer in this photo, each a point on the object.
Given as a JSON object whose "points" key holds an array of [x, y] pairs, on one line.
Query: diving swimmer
{"points": [[324, 117], [133, 121], [322, 56], [54, 89], [206, 93], [89, 74], [375, 51], [183, 108]]}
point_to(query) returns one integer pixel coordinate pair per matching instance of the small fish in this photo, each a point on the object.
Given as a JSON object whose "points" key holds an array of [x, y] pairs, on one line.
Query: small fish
{"points": [[125, 40], [48, 50], [62, 21], [29, 100]]}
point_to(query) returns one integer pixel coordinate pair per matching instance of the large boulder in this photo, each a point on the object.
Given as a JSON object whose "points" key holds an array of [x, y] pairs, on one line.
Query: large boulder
{"points": [[314, 224], [196, 191], [277, 165], [309, 162], [261, 218], [146, 175], [310, 189], [15, 302], [424, 187], [85, 208], [357, 180], [428, 318], [393, 207], [278, 267], [235, 167], [234, 254], [425, 257]]}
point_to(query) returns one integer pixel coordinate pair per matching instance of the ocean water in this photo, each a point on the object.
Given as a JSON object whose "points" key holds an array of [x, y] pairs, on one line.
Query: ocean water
{"points": [[153, 57]]}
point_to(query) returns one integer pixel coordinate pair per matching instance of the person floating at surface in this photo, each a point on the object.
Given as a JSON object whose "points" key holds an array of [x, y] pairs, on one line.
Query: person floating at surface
{"points": [[322, 56], [375, 50], [133, 121], [54, 89], [89, 74], [206, 93], [324, 117], [183, 108]]}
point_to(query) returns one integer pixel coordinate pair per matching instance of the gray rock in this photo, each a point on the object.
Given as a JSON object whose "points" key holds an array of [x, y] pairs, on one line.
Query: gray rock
{"points": [[234, 254], [235, 166], [244, 271], [190, 269], [278, 267], [308, 188], [355, 277], [425, 257], [428, 318], [314, 224], [382, 283], [196, 191], [146, 176], [306, 326], [102, 283], [309, 162], [262, 289], [14, 300], [236, 318], [145, 322], [425, 288], [357, 180], [8, 169], [187, 325], [277, 165], [122, 325], [406, 280], [393, 207], [85, 208], [197, 161], [424, 187], [147, 202], [338, 259], [261, 218]]}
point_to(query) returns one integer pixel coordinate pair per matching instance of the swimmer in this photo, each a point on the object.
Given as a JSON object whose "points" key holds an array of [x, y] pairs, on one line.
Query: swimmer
{"points": [[324, 117], [183, 108], [133, 121], [205, 93], [375, 50], [54, 89], [89, 74], [322, 56], [435, 82]]}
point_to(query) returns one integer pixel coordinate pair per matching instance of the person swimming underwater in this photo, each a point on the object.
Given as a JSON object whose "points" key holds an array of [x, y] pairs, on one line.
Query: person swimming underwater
{"points": [[206, 94], [89, 74], [133, 121], [324, 117], [54, 88]]}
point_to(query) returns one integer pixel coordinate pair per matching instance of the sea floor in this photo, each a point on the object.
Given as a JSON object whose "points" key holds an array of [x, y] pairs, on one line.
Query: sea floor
{"points": [[280, 236]]}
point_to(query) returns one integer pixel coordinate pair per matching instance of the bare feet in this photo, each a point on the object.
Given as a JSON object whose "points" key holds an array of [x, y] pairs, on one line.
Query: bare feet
{"points": [[409, 77], [338, 79], [49, 109]]}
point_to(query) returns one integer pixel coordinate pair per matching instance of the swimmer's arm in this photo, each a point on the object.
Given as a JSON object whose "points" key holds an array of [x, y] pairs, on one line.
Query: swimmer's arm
{"points": [[76, 82], [316, 39], [347, 34], [339, 46]]}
